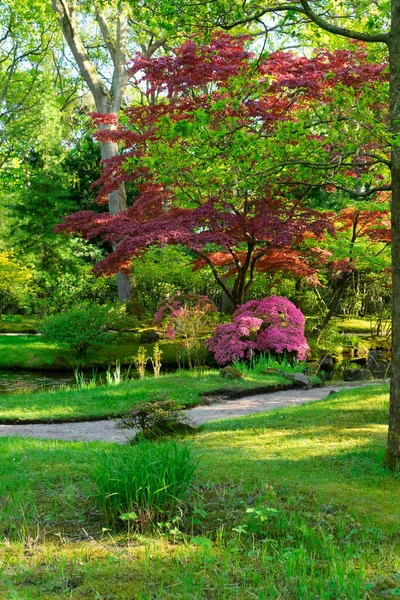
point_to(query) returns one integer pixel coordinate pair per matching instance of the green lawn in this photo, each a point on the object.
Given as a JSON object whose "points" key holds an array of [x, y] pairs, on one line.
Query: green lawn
{"points": [[17, 324], [355, 326], [112, 400], [32, 352], [335, 536]]}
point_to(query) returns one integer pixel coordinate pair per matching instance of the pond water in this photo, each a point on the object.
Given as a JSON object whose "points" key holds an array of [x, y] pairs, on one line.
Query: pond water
{"points": [[21, 380]]}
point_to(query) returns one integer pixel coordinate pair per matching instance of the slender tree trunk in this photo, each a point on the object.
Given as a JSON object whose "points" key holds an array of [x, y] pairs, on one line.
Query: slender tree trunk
{"points": [[392, 457], [107, 98], [227, 306], [334, 304], [298, 293], [116, 204]]}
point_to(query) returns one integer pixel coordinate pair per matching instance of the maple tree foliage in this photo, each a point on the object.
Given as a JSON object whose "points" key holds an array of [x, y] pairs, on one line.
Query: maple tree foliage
{"points": [[208, 159]]}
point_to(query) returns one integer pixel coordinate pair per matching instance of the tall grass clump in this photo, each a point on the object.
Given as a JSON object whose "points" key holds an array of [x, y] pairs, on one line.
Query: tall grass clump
{"points": [[145, 485], [259, 362]]}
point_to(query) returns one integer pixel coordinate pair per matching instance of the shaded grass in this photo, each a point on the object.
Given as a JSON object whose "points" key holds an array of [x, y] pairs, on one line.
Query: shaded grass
{"points": [[354, 325], [17, 324], [109, 401], [335, 534]]}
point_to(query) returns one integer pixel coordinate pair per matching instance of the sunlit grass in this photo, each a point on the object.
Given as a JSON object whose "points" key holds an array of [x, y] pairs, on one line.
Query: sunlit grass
{"points": [[112, 400], [355, 325], [32, 352], [334, 534]]}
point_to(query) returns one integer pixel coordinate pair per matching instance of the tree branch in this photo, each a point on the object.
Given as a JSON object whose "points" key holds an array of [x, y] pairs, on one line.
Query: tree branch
{"points": [[257, 16], [342, 31], [366, 194], [105, 32], [67, 22]]}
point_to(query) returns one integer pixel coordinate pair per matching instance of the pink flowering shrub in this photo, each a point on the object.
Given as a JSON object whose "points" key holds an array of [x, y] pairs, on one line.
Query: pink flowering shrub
{"points": [[273, 324]]}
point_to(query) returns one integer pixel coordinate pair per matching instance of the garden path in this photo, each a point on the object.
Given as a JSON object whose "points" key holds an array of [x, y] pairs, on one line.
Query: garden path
{"points": [[106, 431]]}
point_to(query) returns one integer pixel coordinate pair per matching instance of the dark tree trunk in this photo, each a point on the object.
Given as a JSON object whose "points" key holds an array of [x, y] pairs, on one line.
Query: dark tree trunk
{"points": [[334, 304], [392, 457]]}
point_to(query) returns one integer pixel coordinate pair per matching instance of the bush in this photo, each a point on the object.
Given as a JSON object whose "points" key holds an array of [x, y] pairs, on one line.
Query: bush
{"points": [[84, 328], [145, 485], [273, 324], [188, 318], [159, 417], [17, 290]]}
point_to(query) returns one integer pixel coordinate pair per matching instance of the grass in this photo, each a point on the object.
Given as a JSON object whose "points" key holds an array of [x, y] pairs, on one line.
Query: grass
{"points": [[262, 362], [32, 352], [144, 487], [17, 324], [355, 326], [291, 504], [108, 401]]}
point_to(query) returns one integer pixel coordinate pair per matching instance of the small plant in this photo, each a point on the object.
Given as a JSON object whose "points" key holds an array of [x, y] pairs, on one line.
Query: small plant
{"points": [[144, 486], [140, 361], [261, 362], [156, 360], [159, 417], [82, 382], [117, 376]]}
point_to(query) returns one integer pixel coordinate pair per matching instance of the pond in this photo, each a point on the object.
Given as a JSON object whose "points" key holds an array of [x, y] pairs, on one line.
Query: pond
{"points": [[22, 380]]}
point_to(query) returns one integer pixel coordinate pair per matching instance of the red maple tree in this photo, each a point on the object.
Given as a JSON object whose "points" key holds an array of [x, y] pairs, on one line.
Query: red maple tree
{"points": [[205, 163]]}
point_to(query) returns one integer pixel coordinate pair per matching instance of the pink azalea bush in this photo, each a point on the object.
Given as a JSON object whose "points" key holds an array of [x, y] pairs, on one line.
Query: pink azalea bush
{"points": [[272, 324]]}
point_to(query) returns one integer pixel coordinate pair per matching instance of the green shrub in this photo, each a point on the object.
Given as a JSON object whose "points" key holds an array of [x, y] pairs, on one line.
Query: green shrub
{"points": [[145, 485], [84, 328], [159, 417]]}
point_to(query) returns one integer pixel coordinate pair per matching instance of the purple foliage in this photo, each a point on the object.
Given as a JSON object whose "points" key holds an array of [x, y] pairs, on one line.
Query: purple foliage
{"points": [[273, 324]]}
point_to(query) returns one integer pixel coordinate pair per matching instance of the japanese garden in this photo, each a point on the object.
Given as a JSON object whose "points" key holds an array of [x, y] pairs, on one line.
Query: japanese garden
{"points": [[199, 300]]}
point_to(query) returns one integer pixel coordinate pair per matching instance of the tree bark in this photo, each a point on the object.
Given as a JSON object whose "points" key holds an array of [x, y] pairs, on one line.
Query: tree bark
{"points": [[392, 457]]}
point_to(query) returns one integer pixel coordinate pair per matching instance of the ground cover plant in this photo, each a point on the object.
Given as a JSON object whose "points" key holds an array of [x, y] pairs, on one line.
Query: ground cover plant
{"points": [[289, 504], [157, 418], [107, 401]]}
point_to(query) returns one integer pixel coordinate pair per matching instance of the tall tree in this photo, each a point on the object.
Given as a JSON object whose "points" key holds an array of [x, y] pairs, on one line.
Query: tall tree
{"points": [[109, 86], [212, 161], [26, 43], [372, 23]]}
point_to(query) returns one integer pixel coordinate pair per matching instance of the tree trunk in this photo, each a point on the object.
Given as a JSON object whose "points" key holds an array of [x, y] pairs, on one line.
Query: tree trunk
{"points": [[127, 291], [298, 288], [227, 306], [392, 457], [107, 100], [334, 304]]}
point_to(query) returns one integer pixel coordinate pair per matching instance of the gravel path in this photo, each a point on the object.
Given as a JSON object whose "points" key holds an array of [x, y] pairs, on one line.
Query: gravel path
{"points": [[106, 431]]}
